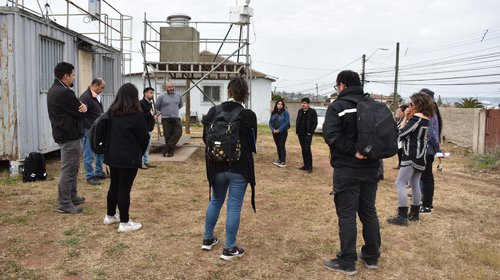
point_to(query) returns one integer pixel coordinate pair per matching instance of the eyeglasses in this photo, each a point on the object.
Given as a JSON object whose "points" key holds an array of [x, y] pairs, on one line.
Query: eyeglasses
{"points": [[335, 87]]}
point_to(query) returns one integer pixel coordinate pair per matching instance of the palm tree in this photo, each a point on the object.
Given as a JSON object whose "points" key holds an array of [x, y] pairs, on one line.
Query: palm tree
{"points": [[469, 103]]}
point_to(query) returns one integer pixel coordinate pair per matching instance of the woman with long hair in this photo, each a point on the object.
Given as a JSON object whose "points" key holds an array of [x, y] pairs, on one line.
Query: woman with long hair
{"points": [[128, 141], [413, 134], [279, 124], [433, 147], [400, 115], [230, 178]]}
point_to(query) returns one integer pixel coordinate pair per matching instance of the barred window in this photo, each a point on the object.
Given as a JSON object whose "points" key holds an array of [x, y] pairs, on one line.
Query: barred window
{"points": [[51, 53], [213, 92], [108, 74]]}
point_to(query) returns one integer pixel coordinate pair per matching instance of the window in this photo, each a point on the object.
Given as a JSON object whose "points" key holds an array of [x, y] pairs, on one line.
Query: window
{"points": [[51, 53], [108, 74], [213, 92]]}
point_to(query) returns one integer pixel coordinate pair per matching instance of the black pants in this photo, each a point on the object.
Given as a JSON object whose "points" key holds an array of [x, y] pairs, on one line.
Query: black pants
{"points": [[355, 191], [119, 191], [172, 131], [427, 182], [400, 154], [280, 140], [305, 144]]}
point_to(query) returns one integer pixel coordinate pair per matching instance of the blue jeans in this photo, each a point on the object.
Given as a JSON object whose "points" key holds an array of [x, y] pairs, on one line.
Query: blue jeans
{"points": [[237, 186], [88, 158], [145, 157]]}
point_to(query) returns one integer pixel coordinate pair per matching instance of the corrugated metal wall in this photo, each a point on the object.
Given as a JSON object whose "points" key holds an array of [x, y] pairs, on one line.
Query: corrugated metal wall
{"points": [[8, 118], [24, 123]]}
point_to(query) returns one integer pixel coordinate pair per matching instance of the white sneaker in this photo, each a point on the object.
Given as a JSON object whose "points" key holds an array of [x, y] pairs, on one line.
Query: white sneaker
{"points": [[129, 226], [282, 164], [276, 162], [108, 220]]}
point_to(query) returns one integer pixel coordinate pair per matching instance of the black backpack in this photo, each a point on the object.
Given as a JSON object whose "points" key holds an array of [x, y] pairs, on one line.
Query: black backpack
{"points": [[377, 131], [34, 167], [99, 133], [223, 135]]}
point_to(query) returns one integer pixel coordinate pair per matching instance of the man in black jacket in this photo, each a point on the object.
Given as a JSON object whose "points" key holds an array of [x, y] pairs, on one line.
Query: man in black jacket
{"points": [[355, 179], [149, 115], [66, 114], [92, 98], [307, 120]]}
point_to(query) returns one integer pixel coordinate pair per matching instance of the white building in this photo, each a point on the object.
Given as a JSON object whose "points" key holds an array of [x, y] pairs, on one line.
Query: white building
{"points": [[260, 97]]}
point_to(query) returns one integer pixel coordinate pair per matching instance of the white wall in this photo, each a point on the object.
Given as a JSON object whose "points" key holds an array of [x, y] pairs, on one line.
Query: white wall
{"points": [[259, 103]]}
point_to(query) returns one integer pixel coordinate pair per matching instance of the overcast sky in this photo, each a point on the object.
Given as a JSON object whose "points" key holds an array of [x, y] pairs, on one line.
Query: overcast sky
{"points": [[304, 43]]}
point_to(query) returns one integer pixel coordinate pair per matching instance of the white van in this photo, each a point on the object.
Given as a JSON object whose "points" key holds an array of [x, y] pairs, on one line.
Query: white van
{"points": [[321, 111]]}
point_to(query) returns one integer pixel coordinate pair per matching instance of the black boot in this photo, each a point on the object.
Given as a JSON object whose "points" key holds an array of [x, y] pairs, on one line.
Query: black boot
{"points": [[414, 211], [401, 219]]}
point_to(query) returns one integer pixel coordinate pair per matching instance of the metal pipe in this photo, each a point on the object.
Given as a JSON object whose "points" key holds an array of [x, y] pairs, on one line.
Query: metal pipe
{"points": [[215, 56], [213, 69]]}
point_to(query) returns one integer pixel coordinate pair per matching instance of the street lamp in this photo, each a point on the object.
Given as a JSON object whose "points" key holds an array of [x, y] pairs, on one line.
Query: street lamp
{"points": [[364, 60]]}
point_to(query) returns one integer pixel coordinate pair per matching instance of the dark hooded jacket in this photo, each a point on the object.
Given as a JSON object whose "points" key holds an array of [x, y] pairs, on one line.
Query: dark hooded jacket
{"points": [[340, 130]]}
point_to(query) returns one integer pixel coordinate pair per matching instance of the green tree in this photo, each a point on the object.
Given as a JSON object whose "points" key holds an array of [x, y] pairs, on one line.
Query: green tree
{"points": [[276, 97], [469, 103]]}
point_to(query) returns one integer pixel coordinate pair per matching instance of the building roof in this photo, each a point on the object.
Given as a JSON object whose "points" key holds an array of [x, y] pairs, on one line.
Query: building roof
{"points": [[207, 56]]}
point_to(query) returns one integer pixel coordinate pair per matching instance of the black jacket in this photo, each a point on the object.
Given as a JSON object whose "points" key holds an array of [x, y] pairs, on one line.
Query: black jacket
{"points": [[146, 109], [340, 130], [66, 121], [94, 108], [128, 141], [245, 166], [311, 121]]}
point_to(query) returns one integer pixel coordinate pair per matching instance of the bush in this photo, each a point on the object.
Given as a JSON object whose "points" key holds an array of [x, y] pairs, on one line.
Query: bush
{"points": [[489, 161]]}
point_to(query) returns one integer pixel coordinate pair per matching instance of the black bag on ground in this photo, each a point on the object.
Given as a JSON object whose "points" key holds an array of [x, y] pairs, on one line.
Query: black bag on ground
{"points": [[377, 131], [99, 133], [34, 167], [223, 135]]}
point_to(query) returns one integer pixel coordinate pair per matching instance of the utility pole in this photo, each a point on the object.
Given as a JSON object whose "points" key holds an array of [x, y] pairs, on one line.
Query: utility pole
{"points": [[395, 103], [363, 62], [317, 95]]}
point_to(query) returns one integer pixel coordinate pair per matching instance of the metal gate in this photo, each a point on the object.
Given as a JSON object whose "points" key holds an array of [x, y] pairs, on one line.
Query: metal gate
{"points": [[492, 137]]}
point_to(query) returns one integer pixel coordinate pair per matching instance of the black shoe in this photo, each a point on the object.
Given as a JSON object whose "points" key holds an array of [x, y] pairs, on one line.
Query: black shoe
{"points": [[426, 210], [70, 210], [93, 181], [334, 265], [401, 219], [149, 165], [370, 264], [101, 177], [310, 170], [303, 168], [209, 243], [381, 177], [170, 154], [78, 200], [229, 254], [414, 211]]}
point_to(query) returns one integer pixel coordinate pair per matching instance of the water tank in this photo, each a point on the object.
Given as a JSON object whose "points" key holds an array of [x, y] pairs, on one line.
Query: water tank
{"points": [[188, 49]]}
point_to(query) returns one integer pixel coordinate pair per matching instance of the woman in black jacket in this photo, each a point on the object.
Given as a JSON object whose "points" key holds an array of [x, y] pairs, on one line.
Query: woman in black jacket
{"points": [[128, 141], [230, 178]]}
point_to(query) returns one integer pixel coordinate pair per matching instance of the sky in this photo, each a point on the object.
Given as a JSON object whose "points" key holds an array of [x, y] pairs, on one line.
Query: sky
{"points": [[449, 46]]}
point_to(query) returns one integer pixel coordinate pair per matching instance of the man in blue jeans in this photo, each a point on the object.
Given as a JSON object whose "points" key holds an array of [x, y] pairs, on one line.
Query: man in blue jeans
{"points": [[355, 179], [91, 97]]}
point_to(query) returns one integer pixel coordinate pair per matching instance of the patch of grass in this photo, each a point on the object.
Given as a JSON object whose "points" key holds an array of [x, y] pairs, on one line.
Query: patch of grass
{"points": [[71, 241], [15, 239], [70, 232], [489, 161], [99, 274], [116, 249], [6, 179], [13, 270]]}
